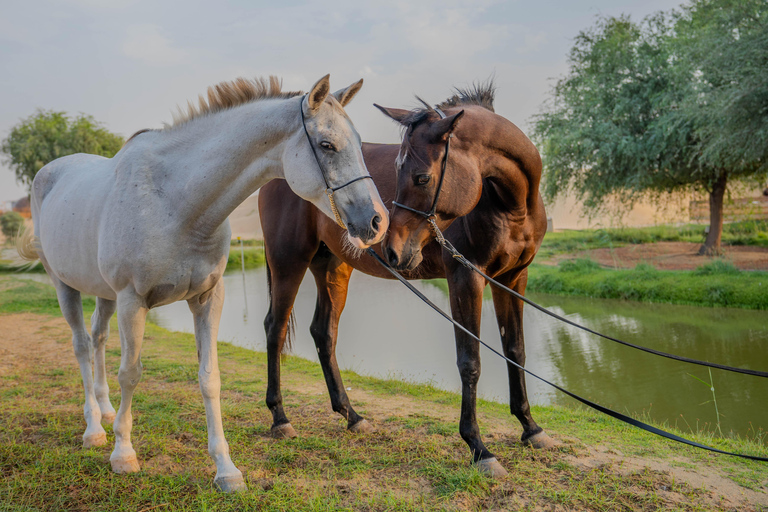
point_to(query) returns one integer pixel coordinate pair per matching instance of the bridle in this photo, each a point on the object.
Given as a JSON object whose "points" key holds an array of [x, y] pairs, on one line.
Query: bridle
{"points": [[329, 190], [430, 215]]}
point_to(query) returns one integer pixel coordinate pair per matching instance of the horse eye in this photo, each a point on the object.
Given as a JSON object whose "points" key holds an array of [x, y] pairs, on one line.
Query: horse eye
{"points": [[422, 179], [327, 145]]}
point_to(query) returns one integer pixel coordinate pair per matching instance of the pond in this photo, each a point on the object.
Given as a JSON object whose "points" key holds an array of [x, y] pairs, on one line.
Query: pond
{"points": [[386, 331]]}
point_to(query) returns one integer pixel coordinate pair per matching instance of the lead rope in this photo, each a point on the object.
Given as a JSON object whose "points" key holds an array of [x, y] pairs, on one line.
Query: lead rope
{"points": [[589, 403], [464, 261]]}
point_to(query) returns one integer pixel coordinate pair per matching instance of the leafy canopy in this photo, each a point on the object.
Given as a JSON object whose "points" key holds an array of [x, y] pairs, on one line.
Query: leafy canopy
{"points": [[679, 100], [48, 135]]}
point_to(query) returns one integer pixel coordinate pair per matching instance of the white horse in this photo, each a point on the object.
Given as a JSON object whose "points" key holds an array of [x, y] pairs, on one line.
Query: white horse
{"points": [[149, 227]]}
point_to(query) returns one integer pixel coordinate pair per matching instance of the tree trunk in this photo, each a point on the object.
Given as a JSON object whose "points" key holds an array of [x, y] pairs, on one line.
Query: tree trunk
{"points": [[711, 246]]}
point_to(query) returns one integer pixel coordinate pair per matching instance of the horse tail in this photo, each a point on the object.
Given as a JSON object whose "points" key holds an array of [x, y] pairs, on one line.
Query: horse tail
{"points": [[27, 244], [288, 345]]}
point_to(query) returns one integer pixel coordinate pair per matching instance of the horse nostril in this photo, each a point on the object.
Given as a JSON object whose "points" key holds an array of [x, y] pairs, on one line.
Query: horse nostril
{"points": [[375, 222], [391, 257]]}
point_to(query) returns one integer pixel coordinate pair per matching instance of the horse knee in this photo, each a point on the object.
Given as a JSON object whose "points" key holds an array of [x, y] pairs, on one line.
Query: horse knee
{"points": [[517, 354], [129, 376], [210, 384], [82, 346], [469, 371]]}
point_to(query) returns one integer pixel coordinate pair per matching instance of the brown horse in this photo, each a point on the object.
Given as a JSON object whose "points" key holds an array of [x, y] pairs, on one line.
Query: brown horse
{"points": [[489, 208]]}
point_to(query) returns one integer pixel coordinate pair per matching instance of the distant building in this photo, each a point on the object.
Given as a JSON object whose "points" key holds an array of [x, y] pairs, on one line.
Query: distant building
{"points": [[23, 207]]}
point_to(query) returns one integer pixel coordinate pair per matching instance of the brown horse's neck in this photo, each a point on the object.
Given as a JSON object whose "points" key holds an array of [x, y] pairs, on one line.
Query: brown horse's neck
{"points": [[503, 156]]}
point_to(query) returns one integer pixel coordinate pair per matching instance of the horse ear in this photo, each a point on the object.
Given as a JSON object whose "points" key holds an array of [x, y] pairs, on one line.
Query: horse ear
{"points": [[318, 93], [398, 114], [442, 129], [344, 96]]}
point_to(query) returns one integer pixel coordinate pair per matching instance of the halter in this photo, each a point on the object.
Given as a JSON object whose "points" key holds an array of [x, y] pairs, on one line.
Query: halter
{"points": [[430, 215], [329, 190]]}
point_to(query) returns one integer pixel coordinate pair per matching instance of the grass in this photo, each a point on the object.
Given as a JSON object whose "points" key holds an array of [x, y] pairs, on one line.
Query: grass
{"points": [[717, 283], [415, 460]]}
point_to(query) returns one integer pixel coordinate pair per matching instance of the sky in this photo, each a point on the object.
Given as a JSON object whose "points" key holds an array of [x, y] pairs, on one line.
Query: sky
{"points": [[128, 63]]}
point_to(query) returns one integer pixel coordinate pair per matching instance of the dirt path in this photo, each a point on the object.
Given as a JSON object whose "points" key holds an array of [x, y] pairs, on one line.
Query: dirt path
{"points": [[33, 344], [668, 256]]}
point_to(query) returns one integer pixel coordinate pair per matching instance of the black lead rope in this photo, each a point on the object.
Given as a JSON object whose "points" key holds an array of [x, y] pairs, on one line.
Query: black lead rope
{"points": [[464, 261], [430, 216], [589, 403]]}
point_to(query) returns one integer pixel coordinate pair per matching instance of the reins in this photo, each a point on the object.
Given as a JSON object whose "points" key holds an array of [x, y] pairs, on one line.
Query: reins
{"points": [[329, 190], [619, 416]]}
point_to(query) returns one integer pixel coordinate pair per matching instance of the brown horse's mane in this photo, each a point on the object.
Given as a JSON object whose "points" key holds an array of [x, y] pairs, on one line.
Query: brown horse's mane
{"points": [[481, 94]]}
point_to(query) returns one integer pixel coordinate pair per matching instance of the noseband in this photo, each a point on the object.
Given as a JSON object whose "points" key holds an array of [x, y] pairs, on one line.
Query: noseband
{"points": [[329, 190], [430, 215]]}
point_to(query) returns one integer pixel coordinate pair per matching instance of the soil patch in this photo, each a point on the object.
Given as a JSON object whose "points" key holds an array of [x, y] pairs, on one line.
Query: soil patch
{"points": [[668, 256]]}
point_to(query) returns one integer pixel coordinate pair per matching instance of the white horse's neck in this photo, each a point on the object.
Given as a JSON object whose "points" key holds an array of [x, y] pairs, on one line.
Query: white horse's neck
{"points": [[210, 165]]}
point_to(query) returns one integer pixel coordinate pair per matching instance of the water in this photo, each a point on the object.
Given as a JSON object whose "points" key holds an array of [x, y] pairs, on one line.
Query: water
{"points": [[386, 331]]}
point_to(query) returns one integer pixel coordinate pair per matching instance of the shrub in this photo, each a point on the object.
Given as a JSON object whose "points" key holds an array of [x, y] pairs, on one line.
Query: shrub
{"points": [[716, 267], [11, 223]]}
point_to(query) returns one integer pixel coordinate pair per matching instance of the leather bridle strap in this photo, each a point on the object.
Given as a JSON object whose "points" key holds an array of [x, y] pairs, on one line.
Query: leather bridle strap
{"points": [[430, 215], [329, 190]]}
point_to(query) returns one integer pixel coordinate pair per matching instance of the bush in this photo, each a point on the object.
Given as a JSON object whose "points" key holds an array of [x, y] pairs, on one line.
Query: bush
{"points": [[716, 267], [580, 265], [11, 223]]}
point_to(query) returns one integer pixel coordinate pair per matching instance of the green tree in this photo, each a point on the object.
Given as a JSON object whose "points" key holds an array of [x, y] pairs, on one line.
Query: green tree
{"points": [[11, 223], [676, 102], [48, 135]]}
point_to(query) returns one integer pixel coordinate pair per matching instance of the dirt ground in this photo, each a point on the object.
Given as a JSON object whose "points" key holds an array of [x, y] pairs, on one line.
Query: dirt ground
{"points": [[38, 343], [668, 256]]}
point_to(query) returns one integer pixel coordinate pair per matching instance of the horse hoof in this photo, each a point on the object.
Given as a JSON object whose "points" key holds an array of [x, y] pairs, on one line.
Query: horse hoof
{"points": [[284, 431], [128, 464], [97, 439], [361, 427], [540, 441], [234, 483], [108, 418], [491, 467]]}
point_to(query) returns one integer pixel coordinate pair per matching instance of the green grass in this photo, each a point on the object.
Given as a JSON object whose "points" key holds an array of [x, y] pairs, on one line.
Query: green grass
{"points": [[252, 253], [415, 460], [717, 283]]}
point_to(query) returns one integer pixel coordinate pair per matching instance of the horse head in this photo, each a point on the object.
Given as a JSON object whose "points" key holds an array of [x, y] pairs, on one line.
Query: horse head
{"points": [[437, 180], [328, 144]]}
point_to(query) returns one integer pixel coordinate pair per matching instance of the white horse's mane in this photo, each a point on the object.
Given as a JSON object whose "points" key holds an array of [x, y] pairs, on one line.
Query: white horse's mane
{"points": [[228, 94]]}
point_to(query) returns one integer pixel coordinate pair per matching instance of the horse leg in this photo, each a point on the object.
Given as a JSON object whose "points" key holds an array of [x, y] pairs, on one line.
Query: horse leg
{"points": [[131, 316], [509, 315], [284, 287], [332, 279], [99, 334], [466, 292], [206, 309], [72, 308]]}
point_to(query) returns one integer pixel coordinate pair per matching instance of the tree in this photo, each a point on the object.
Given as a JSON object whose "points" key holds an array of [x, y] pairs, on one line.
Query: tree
{"points": [[642, 110], [48, 135], [11, 223]]}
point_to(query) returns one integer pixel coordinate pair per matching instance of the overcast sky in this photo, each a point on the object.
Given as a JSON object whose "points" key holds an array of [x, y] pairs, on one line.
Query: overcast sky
{"points": [[128, 63]]}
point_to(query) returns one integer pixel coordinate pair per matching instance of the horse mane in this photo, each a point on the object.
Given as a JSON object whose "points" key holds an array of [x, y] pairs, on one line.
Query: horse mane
{"points": [[481, 94], [226, 95]]}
